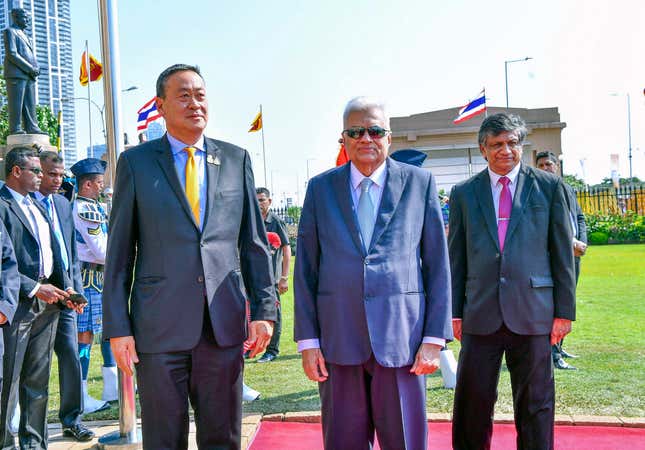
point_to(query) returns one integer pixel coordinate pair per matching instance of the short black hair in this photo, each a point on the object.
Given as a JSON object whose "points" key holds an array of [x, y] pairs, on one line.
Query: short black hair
{"points": [[546, 154], [17, 156], [87, 177], [167, 73], [49, 156], [499, 123], [263, 190]]}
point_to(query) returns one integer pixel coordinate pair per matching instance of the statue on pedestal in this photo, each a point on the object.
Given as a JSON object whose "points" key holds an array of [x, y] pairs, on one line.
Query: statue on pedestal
{"points": [[21, 71]]}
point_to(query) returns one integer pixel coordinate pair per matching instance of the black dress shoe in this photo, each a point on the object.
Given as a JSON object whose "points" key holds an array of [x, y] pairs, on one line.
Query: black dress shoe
{"points": [[267, 357], [79, 432], [565, 354], [563, 365]]}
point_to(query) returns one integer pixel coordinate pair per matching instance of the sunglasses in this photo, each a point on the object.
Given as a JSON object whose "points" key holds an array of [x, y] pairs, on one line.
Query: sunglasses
{"points": [[34, 170], [374, 132]]}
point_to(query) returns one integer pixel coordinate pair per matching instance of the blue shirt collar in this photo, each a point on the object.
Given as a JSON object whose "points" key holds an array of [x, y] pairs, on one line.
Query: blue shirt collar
{"points": [[177, 146]]}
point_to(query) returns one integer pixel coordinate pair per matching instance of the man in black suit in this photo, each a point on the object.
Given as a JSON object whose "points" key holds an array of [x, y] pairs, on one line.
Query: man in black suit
{"points": [[20, 71], [185, 218], [43, 285], [9, 285], [513, 287], [59, 211], [547, 161]]}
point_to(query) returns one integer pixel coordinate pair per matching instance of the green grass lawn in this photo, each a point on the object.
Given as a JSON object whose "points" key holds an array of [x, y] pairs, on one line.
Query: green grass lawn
{"points": [[608, 335]]}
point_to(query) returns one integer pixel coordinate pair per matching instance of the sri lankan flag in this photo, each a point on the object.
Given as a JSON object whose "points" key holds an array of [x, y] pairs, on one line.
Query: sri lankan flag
{"points": [[257, 123], [96, 70]]}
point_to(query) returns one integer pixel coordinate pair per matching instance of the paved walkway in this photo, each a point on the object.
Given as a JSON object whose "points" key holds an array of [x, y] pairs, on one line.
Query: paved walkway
{"points": [[250, 423]]}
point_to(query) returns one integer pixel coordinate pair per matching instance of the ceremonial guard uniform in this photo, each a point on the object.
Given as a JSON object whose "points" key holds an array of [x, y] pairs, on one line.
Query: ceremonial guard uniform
{"points": [[91, 223]]}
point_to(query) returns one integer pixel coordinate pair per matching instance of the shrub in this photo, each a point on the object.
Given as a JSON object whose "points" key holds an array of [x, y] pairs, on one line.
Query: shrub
{"points": [[629, 227], [598, 238]]}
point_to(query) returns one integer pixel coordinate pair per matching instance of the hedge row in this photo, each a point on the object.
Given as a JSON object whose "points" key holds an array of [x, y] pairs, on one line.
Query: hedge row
{"points": [[615, 228]]}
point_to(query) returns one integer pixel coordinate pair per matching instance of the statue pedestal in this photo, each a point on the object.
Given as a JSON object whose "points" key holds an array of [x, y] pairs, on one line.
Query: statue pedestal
{"points": [[37, 141]]}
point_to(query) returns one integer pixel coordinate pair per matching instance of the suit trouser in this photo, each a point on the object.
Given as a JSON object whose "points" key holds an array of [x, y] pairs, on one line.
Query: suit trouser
{"points": [[211, 376], [274, 343], [29, 346], [357, 400], [23, 92], [528, 359], [69, 369], [556, 349]]}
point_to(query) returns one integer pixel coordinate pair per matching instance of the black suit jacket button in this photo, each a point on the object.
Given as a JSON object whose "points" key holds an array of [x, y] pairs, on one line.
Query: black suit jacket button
{"points": [[201, 244], [200, 279]]}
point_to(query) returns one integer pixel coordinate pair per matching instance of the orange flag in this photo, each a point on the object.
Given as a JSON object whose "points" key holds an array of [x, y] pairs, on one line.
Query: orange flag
{"points": [[342, 156], [257, 123], [96, 70]]}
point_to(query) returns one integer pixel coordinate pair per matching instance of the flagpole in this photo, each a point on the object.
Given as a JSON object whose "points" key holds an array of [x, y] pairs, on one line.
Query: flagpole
{"points": [[264, 154], [89, 98]]}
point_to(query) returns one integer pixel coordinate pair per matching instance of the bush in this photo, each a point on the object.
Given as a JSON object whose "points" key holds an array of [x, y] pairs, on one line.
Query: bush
{"points": [[598, 238], [617, 228]]}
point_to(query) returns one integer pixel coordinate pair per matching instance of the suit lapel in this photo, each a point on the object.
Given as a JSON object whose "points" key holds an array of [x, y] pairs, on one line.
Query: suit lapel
{"points": [[17, 210], [484, 195], [522, 193], [392, 191], [340, 184], [213, 162], [167, 164]]}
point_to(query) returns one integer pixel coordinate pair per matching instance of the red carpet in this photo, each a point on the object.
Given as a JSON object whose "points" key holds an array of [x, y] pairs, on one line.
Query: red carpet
{"points": [[308, 436]]}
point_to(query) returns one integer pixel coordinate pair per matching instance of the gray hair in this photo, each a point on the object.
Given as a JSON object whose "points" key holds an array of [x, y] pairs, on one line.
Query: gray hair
{"points": [[365, 104], [499, 123]]}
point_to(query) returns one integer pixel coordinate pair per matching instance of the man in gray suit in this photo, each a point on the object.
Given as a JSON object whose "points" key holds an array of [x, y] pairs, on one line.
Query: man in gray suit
{"points": [[549, 162], [20, 71], [372, 289], [513, 287], [187, 248]]}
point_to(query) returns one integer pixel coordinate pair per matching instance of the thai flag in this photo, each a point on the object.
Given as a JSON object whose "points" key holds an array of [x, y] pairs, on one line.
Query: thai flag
{"points": [[148, 113], [474, 107]]}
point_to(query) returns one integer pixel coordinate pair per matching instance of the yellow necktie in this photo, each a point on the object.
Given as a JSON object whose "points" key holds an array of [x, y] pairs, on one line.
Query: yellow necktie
{"points": [[192, 182]]}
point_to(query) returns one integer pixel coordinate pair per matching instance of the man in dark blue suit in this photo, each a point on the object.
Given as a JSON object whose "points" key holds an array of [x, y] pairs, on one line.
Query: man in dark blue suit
{"points": [[9, 285], [185, 217], [372, 289], [59, 211]]}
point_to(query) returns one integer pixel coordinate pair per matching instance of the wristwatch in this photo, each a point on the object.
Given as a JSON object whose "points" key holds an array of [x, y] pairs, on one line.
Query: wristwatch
{"points": [[284, 278]]}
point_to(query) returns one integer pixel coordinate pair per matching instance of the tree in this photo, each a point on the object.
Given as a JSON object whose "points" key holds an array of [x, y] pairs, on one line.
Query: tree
{"points": [[47, 121], [575, 182]]}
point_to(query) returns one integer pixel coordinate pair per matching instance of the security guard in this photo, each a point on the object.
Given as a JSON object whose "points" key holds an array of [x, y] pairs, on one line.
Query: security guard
{"points": [[90, 221]]}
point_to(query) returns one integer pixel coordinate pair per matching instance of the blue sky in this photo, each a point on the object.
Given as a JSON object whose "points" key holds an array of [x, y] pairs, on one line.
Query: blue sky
{"points": [[303, 60]]}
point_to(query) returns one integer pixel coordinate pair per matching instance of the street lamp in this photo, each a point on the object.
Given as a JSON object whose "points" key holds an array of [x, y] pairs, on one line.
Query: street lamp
{"points": [[629, 132], [506, 63], [100, 108]]}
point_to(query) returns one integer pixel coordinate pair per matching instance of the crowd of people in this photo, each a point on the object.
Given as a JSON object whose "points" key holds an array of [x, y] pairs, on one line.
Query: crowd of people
{"points": [[189, 283], [52, 279]]}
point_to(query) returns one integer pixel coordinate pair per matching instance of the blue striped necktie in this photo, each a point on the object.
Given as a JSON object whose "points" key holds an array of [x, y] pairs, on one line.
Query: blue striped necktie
{"points": [[366, 213], [47, 201]]}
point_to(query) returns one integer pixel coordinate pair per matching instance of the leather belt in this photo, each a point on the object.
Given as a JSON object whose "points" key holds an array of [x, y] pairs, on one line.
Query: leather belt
{"points": [[94, 267]]}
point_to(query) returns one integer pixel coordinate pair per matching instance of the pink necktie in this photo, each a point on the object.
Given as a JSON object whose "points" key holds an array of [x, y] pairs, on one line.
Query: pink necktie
{"points": [[504, 211]]}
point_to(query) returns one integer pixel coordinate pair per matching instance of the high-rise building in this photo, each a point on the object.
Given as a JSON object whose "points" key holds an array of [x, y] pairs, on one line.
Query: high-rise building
{"points": [[51, 35]]}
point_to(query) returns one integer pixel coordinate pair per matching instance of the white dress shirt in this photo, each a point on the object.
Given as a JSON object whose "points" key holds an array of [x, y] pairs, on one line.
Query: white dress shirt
{"points": [[40, 228], [496, 186], [378, 178]]}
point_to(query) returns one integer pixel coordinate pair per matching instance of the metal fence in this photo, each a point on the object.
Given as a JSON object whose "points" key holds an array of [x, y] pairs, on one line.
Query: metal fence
{"points": [[612, 200]]}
